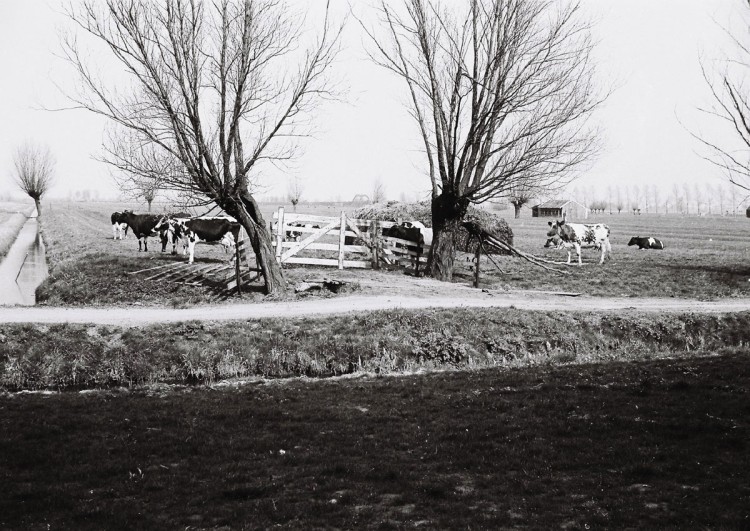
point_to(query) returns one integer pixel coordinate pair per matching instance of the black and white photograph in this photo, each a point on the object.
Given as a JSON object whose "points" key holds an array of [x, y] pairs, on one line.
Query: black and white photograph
{"points": [[374, 264]]}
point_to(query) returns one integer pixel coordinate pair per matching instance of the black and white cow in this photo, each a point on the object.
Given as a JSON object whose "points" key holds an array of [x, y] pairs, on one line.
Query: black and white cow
{"points": [[410, 230], [168, 231], [296, 235], [119, 226], [646, 243], [203, 229], [143, 226], [577, 235]]}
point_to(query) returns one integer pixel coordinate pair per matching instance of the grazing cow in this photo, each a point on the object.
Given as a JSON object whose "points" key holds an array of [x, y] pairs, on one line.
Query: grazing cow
{"points": [[143, 226], [119, 225], [219, 229], [646, 243], [576, 235]]}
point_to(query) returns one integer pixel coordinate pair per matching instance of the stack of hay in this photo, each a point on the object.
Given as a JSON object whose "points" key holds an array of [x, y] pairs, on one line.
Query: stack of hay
{"points": [[395, 210]]}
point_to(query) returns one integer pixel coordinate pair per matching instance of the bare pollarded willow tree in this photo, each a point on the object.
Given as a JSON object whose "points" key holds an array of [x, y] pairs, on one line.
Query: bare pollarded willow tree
{"points": [[34, 170], [214, 88], [294, 191], [501, 91], [731, 106]]}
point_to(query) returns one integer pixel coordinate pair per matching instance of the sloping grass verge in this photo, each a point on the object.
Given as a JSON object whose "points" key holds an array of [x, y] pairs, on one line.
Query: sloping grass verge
{"points": [[79, 356], [103, 279], [10, 225]]}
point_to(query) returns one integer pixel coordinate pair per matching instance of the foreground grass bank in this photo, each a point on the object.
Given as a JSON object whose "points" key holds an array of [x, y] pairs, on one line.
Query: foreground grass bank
{"points": [[88, 356], [648, 445]]}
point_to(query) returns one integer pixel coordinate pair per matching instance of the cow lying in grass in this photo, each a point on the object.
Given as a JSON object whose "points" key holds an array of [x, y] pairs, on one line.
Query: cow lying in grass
{"points": [[577, 235], [646, 243]]}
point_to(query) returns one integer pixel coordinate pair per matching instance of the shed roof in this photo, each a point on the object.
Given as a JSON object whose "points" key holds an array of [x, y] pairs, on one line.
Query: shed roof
{"points": [[557, 203]]}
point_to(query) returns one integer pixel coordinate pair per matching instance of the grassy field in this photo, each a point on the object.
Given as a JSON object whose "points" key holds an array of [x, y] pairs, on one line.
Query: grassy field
{"points": [[651, 445], [705, 257], [12, 217]]}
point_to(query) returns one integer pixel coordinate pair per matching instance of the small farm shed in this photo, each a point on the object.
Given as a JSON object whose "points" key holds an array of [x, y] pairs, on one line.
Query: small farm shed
{"points": [[557, 208]]}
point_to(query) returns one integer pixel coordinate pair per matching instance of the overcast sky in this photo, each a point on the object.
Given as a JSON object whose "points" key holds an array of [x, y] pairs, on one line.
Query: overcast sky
{"points": [[647, 49]]}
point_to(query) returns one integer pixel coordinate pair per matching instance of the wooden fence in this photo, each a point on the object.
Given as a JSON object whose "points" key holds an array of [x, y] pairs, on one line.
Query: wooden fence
{"points": [[342, 242]]}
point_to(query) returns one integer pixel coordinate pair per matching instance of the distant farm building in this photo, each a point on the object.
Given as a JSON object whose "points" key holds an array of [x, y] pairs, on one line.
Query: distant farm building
{"points": [[361, 198], [747, 212], [557, 208]]}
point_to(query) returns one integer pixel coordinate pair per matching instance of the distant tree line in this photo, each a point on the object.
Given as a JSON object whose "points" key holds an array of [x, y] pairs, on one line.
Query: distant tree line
{"points": [[719, 198]]}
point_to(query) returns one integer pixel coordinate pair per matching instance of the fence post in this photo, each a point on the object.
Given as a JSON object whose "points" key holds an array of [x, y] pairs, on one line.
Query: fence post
{"points": [[342, 239], [477, 257], [237, 273], [279, 233], [375, 243]]}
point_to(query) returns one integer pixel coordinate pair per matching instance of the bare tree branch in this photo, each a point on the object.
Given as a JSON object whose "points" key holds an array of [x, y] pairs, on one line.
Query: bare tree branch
{"points": [[502, 92], [212, 91]]}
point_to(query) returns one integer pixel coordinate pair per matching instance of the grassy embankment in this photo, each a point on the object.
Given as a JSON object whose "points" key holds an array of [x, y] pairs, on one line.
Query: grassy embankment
{"points": [[659, 444], [705, 257], [82, 356], [12, 218]]}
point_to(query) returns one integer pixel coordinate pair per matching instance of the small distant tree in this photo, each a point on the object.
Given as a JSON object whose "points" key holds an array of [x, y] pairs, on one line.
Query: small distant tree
{"points": [[686, 197], [645, 197], [294, 192], [655, 195], [620, 204], [598, 206], [140, 167], [519, 195], [34, 167], [720, 196], [378, 191]]}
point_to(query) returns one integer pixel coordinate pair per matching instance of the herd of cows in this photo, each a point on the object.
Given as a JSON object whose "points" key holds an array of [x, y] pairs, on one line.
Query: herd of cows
{"points": [[190, 230], [174, 228]]}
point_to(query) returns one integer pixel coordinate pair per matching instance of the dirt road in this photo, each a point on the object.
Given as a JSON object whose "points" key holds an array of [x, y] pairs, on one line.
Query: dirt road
{"points": [[320, 307]]}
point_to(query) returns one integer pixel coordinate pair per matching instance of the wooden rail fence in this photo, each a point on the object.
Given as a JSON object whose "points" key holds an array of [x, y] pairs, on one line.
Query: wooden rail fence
{"points": [[342, 242]]}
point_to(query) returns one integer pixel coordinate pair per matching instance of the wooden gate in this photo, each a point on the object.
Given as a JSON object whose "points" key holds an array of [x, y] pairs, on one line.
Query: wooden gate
{"points": [[341, 242]]}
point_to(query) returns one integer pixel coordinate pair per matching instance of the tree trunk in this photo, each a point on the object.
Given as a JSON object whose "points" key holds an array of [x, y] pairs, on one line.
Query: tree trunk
{"points": [[517, 208], [149, 206], [447, 214], [38, 203], [247, 212]]}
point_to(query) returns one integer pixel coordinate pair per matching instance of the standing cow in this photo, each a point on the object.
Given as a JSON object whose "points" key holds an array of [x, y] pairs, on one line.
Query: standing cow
{"points": [[576, 235], [143, 226], [218, 229], [119, 225], [169, 231]]}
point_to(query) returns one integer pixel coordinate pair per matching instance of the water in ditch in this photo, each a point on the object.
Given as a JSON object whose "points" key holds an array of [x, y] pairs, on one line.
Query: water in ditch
{"points": [[24, 267]]}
